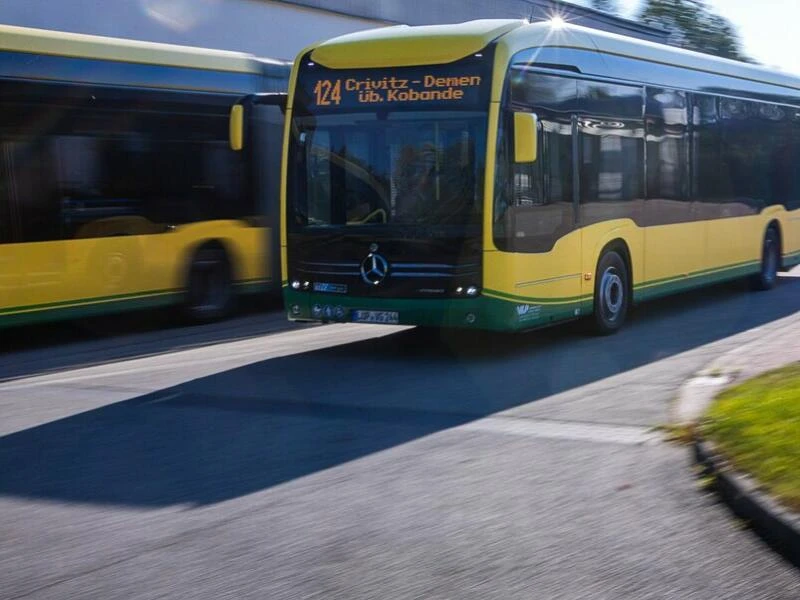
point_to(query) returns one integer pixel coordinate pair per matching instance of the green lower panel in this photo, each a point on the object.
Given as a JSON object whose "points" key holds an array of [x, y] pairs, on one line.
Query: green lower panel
{"points": [[489, 312], [657, 290], [791, 260], [59, 313], [256, 286], [63, 311], [484, 312]]}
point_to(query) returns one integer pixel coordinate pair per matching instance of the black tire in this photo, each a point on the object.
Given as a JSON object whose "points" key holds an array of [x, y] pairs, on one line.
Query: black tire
{"points": [[611, 293], [209, 285], [767, 275]]}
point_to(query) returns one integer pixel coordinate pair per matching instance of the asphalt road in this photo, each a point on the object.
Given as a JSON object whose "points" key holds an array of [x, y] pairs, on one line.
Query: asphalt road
{"points": [[356, 461]]}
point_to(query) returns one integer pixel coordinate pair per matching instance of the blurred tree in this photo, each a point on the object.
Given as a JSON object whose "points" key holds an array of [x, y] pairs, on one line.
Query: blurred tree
{"points": [[693, 25], [606, 6]]}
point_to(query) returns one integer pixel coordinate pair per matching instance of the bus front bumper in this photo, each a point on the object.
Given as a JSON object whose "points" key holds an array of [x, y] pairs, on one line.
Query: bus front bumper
{"points": [[481, 312]]}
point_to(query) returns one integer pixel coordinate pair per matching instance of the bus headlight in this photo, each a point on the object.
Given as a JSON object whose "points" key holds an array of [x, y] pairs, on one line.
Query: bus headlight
{"points": [[295, 284], [472, 290]]}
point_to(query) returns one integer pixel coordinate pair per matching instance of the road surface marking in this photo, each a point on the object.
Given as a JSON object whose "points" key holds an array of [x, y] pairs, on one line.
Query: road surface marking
{"points": [[565, 430]]}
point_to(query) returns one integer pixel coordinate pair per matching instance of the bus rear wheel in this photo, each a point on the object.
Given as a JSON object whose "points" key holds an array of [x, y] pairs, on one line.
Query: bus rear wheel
{"points": [[209, 285], [611, 293], [767, 276]]}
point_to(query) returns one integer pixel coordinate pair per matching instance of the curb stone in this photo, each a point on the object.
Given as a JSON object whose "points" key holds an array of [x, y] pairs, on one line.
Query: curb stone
{"points": [[777, 525], [777, 345]]}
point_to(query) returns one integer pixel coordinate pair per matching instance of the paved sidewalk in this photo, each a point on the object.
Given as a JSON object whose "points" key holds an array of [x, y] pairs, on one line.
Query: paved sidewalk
{"points": [[776, 348]]}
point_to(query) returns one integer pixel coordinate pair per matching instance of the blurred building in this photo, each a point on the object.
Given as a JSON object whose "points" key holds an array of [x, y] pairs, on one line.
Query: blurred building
{"points": [[280, 29]]}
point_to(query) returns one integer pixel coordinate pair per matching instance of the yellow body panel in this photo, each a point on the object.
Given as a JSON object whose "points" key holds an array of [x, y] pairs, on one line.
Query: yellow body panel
{"points": [[551, 277], [566, 274], [81, 271], [791, 232], [732, 241], [676, 254], [677, 250], [406, 46]]}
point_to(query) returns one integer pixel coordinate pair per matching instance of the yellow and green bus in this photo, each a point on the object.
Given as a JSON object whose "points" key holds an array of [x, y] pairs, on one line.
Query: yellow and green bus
{"points": [[504, 175], [118, 188]]}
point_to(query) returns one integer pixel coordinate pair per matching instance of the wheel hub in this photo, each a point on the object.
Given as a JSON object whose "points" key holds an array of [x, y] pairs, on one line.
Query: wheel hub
{"points": [[612, 293]]}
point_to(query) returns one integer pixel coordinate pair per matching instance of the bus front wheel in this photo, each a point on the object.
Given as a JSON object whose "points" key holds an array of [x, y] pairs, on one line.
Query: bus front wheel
{"points": [[767, 276], [611, 293], [209, 285]]}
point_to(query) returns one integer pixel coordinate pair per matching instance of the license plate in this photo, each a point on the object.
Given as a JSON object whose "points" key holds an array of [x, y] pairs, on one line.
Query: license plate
{"points": [[385, 317], [331, 288]]}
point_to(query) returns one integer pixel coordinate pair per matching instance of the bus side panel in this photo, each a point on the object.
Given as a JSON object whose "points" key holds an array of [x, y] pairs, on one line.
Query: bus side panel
{"points": [[536, 288], [78, 274], [559, 284], [34, 274], [245, 245], [735, 235], [791, 237], [9, 274], [110, 272], [673, 254]]}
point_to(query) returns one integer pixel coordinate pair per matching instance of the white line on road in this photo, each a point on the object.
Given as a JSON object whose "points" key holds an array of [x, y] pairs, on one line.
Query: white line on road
{"points": [[161, 399], [565, 430]]}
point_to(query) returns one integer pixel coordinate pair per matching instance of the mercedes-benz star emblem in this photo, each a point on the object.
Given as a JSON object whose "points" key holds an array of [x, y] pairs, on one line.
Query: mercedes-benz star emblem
{"points": [[374, 269]]}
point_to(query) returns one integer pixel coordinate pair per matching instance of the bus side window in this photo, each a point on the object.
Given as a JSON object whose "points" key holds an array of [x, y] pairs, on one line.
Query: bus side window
{"points": [[611, 150], [539, 194]]}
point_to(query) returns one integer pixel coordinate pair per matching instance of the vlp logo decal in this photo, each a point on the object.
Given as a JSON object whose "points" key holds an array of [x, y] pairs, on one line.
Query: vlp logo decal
{"points": [[528, 312]]}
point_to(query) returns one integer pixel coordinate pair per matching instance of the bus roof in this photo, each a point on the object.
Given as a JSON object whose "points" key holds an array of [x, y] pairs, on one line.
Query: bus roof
{"points": [[431, 44], [544, 34], [74, 45], [402, 45]]}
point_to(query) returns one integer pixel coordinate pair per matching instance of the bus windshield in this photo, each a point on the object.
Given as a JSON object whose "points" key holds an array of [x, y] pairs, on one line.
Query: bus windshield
{"points": [[390, 168]]}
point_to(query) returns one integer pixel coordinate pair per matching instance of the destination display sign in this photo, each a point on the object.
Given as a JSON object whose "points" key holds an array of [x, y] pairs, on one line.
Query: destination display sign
{"points": [[439, 86]]}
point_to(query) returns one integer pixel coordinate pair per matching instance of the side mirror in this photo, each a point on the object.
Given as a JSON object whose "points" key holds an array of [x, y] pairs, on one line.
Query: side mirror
{"points": [[236, 127], [525, 136], [241, 112]]}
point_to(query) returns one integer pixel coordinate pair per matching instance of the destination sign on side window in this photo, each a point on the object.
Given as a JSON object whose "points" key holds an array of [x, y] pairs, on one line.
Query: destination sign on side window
{"points": [[438, 86]]}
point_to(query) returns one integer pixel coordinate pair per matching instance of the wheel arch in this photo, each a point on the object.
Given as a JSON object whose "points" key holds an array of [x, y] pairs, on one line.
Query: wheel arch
{"points": [[217, 300], [619, 245], [214, 243]]}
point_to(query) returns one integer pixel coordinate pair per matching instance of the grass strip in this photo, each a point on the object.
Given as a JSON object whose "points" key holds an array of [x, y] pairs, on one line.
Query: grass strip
{"points": [[756, 426]]}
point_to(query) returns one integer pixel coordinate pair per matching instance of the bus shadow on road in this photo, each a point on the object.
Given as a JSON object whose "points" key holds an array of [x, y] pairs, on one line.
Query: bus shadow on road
{"points": [[251, 428], [36, 349]]}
